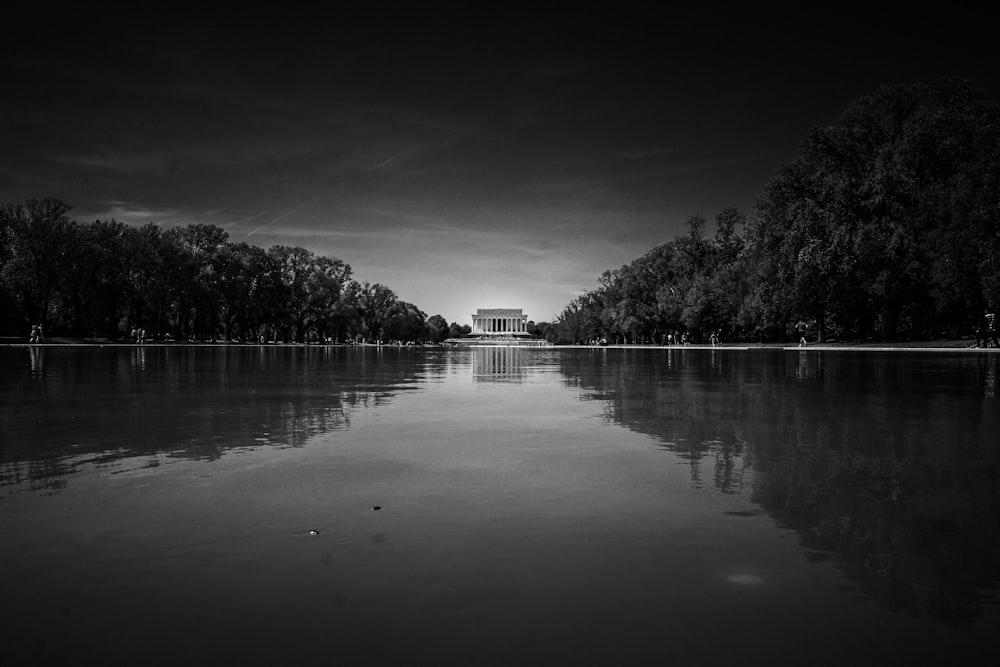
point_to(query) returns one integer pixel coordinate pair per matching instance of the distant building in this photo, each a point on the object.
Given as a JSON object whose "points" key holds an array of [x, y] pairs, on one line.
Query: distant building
{"points": [[499, 322], [499, 327]]}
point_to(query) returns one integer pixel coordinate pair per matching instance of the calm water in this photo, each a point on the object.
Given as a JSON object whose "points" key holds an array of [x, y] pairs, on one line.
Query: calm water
{"points": [[542, 507]]}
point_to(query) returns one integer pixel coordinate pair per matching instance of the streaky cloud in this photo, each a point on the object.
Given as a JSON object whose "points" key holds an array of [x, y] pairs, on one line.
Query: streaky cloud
{"points": [[276, 220], [132, 212], [123, 163], [653, 152]]}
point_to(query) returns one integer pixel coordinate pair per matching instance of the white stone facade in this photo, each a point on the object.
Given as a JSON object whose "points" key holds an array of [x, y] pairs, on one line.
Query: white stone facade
{"points": [[500, 322]]}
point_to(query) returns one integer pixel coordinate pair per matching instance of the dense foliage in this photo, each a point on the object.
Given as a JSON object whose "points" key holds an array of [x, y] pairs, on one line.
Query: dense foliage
{"points": [[107, 279], [886, 225], [689, 285]]}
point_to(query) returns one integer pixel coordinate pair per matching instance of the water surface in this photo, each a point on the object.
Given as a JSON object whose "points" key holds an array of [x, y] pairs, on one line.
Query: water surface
{"points": [[497, 506]]}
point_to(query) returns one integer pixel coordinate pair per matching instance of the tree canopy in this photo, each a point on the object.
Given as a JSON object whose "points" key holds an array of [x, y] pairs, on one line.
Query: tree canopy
{"points": [[107, 279], [888, 221], [886, 224]]}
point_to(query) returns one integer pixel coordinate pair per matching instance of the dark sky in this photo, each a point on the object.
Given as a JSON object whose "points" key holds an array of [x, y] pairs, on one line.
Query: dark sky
{"points": [[465, 160]]}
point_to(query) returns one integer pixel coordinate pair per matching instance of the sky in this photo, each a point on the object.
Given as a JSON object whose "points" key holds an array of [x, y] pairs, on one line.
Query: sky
{"points": [[482, 160]]}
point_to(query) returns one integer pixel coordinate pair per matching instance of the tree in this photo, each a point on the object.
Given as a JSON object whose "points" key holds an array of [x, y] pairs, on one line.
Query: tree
{"points": [[40, 235], [888, 218], [243, 273], [195, 277], [374, 307], [405, 323], [437, 328], [324, 286]]}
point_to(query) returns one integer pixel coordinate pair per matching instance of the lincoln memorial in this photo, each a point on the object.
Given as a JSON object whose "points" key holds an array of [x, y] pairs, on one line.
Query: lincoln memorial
{"points": [[499, 327], [500, 322]]}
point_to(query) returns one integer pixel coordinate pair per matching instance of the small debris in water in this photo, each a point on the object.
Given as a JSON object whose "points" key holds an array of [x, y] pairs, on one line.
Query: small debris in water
{"points": [[376, 508], [744, 579], [314, 532]]}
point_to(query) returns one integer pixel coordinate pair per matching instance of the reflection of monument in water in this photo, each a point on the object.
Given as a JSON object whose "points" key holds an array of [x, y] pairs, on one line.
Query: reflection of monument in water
{"points": [[500, 326], [498, 363]]}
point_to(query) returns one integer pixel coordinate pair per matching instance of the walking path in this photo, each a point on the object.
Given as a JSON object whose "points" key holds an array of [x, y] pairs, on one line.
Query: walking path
{"points": [[920, 346]]}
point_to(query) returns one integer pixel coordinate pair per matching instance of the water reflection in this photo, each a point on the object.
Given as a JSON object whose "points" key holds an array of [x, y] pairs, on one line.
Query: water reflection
{"points": [[498, 363], [809, 366], [96, 407], [37, 357], [885, 464], [988, 375]]}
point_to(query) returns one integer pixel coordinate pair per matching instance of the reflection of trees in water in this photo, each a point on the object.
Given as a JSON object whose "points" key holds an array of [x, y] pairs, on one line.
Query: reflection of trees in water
{"points": [[670, 394], [95, 407], [34, 476], [886, 465]]}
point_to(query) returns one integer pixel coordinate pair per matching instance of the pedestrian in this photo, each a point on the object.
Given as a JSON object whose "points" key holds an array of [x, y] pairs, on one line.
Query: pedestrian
{"points": [[33, 338], [991, 330], [801, 326]]}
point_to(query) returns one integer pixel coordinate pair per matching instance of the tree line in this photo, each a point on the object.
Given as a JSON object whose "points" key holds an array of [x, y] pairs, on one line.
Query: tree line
{"points": [[886, 225], [107, 279]]}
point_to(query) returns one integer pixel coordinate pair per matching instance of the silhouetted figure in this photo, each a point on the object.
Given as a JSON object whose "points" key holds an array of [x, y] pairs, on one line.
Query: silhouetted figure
{"points": [[801, 326], [990, 334]]}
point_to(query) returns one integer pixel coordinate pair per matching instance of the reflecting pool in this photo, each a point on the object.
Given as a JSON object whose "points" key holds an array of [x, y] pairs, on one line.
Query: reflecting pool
{"points": [[498, 506]]}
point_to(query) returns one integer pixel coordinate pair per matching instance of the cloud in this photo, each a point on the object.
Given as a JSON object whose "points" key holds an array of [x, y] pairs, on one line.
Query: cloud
{"points": [[386, 162], [653, 152], [132, 212], [276, 220], [128, 162]]}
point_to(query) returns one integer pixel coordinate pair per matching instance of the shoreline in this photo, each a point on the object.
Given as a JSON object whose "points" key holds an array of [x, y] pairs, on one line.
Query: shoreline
{"points": [[960, 345]]}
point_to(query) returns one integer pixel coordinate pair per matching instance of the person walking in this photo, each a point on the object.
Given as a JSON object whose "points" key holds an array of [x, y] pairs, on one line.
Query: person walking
{"points": [[801, 327]]}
